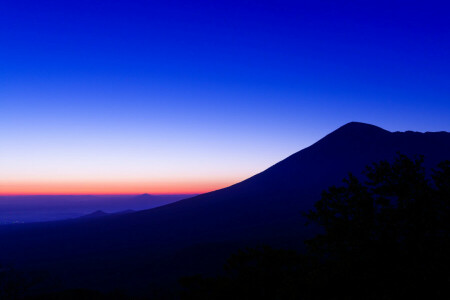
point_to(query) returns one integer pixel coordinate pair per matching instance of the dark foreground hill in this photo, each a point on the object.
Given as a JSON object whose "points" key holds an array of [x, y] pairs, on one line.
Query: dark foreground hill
{"points": [[154, 247]]}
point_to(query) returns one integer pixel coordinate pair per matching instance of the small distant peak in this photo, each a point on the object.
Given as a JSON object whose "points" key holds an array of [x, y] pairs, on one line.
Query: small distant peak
{"points": [[143, 197]]}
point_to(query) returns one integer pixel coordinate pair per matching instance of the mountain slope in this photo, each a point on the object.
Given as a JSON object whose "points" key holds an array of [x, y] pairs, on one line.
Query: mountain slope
{"points": [[194, 234]]}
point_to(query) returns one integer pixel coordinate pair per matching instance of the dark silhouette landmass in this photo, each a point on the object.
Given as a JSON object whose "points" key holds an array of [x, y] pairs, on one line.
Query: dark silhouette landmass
{"points": [[150, 249], [384, 237]]}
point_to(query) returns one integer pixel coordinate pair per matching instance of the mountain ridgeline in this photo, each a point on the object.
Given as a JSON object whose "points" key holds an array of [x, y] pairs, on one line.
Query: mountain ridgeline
{"points": [[195, 235]]}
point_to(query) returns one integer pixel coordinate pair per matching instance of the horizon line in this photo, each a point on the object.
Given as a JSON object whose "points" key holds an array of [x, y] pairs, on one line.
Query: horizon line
{"points": [[97, 194]]}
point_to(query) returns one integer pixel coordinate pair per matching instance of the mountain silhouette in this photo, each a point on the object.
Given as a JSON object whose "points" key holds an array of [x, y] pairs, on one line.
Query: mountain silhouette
{"points": [[196, 234], [95, 214], [101, 213], [41, 208]]}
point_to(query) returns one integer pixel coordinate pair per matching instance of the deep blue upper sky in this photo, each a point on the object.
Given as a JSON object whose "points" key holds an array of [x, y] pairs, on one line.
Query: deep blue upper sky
{"points": [[207, 91]]}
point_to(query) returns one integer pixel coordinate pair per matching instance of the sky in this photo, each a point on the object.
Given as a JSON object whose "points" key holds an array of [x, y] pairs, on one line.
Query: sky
{"points": [[111, 97]]}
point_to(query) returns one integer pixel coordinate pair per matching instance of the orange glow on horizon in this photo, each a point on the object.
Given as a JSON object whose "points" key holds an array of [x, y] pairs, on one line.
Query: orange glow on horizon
{"points": [[108, 188]]}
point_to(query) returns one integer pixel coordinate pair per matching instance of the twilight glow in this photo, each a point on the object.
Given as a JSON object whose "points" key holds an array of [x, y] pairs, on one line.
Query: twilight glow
{"points": [[113, 97]]}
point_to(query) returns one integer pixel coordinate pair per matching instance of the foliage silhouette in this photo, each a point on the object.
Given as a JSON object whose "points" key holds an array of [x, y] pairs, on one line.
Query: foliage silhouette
{"points": [[387, 237], [15, 284], [392, 231], [81, 294]]}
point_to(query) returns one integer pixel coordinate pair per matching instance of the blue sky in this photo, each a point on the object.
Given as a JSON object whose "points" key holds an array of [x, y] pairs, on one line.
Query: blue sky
{"points": [[194, 95]]}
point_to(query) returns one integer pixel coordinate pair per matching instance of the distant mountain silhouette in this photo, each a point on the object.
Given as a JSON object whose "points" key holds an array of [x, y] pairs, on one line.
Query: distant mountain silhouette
{"points": [[196, 234], [100, 213], [39, 208], [95, 214], [144, 196]]}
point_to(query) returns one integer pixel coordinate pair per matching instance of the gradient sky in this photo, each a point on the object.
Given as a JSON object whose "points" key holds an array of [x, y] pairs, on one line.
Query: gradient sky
{"points": [[190, 96]]}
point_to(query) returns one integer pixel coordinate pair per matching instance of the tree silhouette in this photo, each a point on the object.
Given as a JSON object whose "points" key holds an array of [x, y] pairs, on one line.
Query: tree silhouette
{"points": [[391, 230]]}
